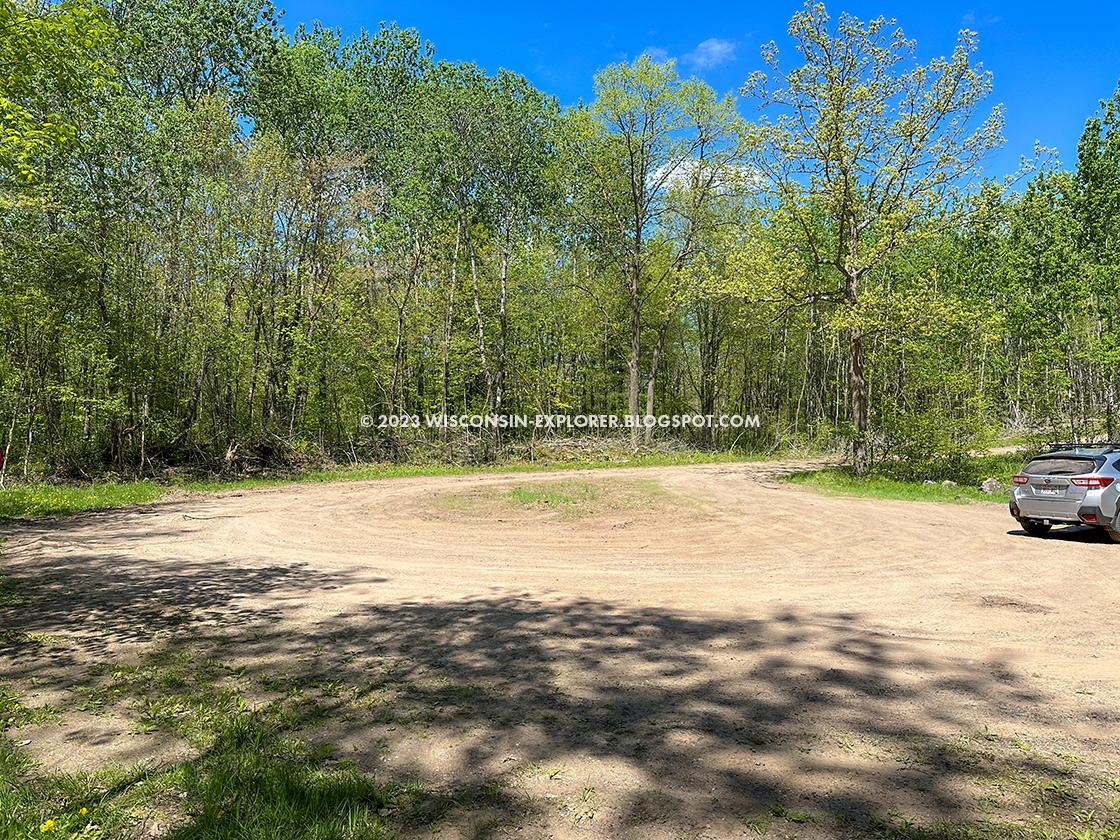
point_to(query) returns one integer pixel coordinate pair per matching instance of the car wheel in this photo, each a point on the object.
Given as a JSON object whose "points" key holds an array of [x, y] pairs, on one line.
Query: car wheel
{"points": [[1113, 528], [1035, 528]]}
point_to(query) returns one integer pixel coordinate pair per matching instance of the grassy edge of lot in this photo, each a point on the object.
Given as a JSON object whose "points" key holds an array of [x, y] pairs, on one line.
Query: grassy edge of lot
{"points": [[379, 471], [32, 500], [842, 481], [39, 499]]}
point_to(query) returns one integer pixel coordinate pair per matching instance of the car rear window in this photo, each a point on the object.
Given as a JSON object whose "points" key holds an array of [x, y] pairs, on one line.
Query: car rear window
{"points": [[1060, 466]]}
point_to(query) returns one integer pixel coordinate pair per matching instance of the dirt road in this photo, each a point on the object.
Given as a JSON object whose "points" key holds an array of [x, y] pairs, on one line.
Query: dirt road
{"points": [[692, 645]]}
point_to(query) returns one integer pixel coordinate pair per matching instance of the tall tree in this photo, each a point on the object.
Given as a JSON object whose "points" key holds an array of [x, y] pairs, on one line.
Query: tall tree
{"points": [[494, 134], [647, 159], [868, 147], [1097, 203]]}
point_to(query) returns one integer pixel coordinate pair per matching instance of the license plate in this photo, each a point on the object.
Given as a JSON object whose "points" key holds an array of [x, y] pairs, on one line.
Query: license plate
{"points": [[1048, 491]]}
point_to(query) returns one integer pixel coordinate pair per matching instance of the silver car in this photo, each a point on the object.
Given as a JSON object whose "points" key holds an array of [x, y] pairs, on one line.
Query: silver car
{"points": [[1072, 484]]}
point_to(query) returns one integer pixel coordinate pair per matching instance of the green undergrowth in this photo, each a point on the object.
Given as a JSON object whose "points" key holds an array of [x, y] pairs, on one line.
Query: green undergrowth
{"points": [[883, 483]]}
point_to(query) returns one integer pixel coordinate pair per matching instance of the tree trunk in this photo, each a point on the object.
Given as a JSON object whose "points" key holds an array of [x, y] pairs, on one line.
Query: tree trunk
{"points": [[445, 389], [710, 338], [30, 435], [7, 449], [858, 386], [503, 333], [857, 380], [635, 355], [486, 372], [654, 362]]}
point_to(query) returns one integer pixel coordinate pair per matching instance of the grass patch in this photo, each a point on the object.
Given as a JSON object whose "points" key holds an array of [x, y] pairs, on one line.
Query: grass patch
{"points": [[252, 784], [569, 499], [14, 714], [553, 494], [255, 778], [57, 500], [882, 485]]}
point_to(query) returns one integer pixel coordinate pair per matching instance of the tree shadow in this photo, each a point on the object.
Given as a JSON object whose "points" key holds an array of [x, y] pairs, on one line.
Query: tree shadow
{"points": [[692, 719]]}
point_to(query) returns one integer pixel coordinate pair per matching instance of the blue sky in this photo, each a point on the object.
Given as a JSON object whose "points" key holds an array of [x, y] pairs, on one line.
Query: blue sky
{"points": [[1052, 63]]}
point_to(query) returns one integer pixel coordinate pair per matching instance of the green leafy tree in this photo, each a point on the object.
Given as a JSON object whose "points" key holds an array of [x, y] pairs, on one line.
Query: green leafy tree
{"points": [[867, 148], [493, 136], [65, 49], [1096, 202], [190, 49], [647, 159]]}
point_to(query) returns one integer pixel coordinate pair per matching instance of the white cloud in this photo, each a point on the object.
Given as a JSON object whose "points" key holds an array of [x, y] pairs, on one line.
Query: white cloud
{"points": [[710, 53], [656, 53], [726, 179], [971, 19]]}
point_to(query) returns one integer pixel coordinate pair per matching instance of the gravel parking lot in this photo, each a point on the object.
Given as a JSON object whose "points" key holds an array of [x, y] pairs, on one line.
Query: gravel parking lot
{"points": [[657, 652]]}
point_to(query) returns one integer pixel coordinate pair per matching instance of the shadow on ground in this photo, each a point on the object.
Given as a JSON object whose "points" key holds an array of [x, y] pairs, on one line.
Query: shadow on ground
{"points": [[675, 721]]}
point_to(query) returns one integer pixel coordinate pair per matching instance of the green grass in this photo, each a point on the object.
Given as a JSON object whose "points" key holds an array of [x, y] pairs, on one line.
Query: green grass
{"points": [[254, 777], [252, 784], [566, 498], [554, 494], [841, 481], [14, 713], [55, 500]]}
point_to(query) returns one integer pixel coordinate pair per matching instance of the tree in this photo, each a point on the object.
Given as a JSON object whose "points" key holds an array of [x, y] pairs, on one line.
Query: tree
{"points": [[191, 49], [1097, 205], [494, 139], [647, 158], [868, 147], [65, 47]]}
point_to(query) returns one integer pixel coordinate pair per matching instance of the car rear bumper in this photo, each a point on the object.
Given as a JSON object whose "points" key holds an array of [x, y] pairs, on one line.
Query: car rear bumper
{"points": [[1084, 515]]}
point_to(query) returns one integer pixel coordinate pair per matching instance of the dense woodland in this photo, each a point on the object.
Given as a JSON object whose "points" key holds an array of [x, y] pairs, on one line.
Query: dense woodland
{"points": [[217, 239]]}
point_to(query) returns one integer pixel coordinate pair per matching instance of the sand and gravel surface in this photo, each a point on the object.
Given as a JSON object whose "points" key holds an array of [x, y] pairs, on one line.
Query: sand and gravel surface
{"points": [[655, 652]]}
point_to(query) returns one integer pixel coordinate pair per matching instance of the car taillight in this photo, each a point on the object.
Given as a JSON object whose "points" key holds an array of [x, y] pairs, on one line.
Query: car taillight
{"points": [[1093, 483], [1020, 479]]}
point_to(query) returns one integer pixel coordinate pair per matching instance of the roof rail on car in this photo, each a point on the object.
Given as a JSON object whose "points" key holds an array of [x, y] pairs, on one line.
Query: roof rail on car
{"points": [[1056, 446]]}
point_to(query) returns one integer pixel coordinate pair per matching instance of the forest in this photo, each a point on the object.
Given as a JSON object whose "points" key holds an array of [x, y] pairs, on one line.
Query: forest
{"points": [[220, 240]]}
